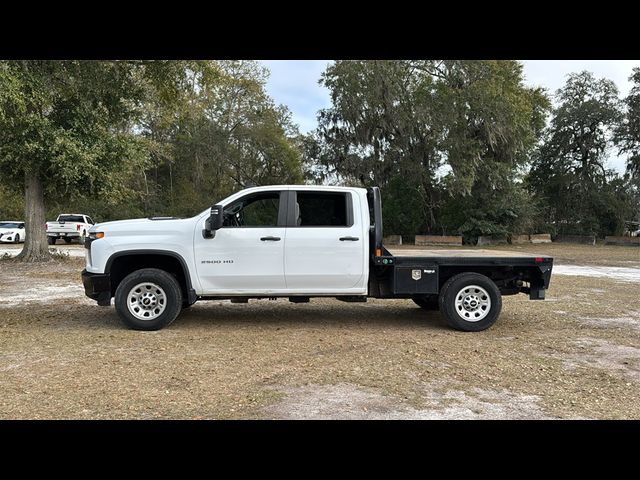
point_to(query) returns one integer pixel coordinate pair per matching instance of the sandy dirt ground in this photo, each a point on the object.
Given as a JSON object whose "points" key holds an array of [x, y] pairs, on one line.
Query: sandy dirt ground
{"points": [[574, 355], [12, 250]]}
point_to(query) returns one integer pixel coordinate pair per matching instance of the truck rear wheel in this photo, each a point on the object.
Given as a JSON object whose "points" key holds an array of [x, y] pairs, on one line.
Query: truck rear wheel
{"points": [[470, 302], [51, 240], [427, 302], [148, 299]]}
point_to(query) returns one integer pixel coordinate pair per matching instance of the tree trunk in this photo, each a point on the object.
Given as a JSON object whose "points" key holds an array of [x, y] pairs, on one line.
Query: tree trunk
{"points": [[35, 248]]}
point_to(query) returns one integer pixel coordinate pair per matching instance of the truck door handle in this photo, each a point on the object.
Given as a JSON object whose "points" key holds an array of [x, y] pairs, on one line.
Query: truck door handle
{"points": [[270, 239], [350, 239]]}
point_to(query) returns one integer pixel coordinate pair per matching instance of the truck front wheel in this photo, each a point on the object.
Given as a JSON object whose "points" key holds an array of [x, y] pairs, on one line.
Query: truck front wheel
{"points": [[470, 302], [148, 299]]}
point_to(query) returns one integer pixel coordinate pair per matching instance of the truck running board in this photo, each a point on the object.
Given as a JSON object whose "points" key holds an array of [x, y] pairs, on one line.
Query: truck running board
{"points": [[299, 299], [352, 298]]}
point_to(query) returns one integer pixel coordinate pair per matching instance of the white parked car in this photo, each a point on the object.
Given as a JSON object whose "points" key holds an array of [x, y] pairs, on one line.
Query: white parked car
{"points": [[12, 231]]}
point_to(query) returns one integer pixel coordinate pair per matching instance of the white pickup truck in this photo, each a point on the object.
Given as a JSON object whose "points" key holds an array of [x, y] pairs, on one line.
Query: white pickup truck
{"points": [[69, 226], [297, 242]]}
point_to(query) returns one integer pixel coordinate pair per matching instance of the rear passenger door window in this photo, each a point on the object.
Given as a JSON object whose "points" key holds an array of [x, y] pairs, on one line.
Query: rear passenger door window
{"points": [[319, 209]]}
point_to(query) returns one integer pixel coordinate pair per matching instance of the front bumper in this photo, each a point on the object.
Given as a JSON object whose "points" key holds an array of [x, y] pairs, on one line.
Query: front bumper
{"points": [[97, 286]]}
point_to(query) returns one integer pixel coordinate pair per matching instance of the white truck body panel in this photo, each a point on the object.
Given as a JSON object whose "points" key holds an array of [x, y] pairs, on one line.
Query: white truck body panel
{"points": [[306, 260], [172, 236], [316, 258], [236, 261]]}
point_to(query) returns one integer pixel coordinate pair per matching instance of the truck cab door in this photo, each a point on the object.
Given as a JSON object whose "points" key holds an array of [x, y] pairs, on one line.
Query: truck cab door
{"points": [[325, 248], [246, 255]]}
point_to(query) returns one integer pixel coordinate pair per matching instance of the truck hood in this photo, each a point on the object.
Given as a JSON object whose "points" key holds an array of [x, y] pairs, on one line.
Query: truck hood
{"points": [[139, 226]]}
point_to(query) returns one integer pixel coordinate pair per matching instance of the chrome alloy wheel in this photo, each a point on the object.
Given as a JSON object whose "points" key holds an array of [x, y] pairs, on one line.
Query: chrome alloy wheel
{"points": [[146, 301], [473, 303]]}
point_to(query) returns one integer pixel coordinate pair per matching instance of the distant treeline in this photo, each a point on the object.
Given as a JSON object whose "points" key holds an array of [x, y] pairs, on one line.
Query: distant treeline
{"points": [[458, 147]]}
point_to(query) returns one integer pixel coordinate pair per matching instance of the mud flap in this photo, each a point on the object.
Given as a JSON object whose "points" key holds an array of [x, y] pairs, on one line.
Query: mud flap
{"points": [[537, 294]]}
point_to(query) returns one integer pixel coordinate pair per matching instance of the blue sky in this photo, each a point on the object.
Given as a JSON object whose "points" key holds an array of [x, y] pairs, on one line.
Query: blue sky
{"points": [[295, 83]]}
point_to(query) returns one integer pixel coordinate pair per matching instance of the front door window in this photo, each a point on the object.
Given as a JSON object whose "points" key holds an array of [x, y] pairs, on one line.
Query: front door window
{"points": [[259, 210]]}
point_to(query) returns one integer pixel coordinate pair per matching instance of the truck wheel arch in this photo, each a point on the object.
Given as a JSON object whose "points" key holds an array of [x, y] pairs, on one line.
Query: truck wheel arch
{"points": [[166, 260]]}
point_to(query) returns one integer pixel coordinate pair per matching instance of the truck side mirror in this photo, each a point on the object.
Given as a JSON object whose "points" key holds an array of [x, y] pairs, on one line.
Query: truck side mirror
{"points": [[213, 222]]}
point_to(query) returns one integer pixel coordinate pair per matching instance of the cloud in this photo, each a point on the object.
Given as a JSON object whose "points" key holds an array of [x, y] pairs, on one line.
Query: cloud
{"points": [[294, 83], [552, 74]]}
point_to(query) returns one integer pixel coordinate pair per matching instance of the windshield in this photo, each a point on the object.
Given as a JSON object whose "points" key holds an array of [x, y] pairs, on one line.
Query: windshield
{"points": [[71, 218], [11, 225]]}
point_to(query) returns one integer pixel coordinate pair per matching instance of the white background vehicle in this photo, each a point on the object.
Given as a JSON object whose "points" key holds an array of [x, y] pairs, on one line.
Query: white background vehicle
{"points": [[297, 242], [69, 226], [12, 231]]}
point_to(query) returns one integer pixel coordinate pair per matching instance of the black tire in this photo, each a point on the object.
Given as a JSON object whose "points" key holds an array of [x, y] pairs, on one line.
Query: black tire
{"points": [[453, 287], [17, 238], [164, 280], [51, 240], [427, 302]]}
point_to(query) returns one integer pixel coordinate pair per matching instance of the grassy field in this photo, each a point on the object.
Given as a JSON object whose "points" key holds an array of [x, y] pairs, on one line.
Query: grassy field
{"points": [[574, 355]]}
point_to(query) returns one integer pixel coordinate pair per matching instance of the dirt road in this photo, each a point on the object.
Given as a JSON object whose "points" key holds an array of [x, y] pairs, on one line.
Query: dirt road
{"points": [[575, 355]]}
